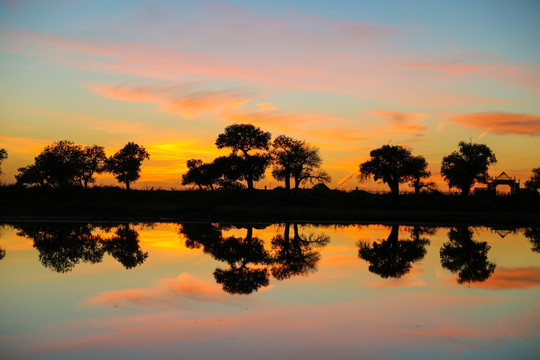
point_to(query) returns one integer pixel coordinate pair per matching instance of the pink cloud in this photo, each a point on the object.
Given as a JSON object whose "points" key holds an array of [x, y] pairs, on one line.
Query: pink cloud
{"points": [[182, 100], [184, 291], [502, 123]]}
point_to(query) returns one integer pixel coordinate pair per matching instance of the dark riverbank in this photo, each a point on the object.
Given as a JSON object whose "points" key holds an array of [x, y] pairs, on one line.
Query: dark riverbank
{"points": [[110, 204]]}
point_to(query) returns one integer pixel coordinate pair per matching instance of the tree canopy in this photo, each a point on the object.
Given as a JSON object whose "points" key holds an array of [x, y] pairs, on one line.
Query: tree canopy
{"points": [[463, 168], [394, 165], [297, 160], [249, 156], [534, 181], [125, 165]]}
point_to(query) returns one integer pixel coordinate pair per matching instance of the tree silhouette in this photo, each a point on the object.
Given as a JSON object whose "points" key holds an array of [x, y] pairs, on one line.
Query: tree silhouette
{"points": [[124, 247], [125, 165], [463, 168], [3, 156], [58, 165], [534, 237], [393, 257], [244, 140], [296, 255], [239, 253], [466, 257], [92, 161], [61, 246], [418, 169], [534, 181], [202, 174], [393, 165], [296, 159]]}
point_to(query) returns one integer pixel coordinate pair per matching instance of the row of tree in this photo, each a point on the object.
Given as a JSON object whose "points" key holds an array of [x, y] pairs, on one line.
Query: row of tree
{"points": [[65, 164], [252, 152], [250, 263]]}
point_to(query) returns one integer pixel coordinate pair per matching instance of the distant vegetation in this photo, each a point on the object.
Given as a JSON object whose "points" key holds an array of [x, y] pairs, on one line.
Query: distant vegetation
{"points": [[252, 151]]}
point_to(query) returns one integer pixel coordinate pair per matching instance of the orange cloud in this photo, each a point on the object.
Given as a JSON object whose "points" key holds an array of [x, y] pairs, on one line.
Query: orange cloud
{"points": [[512, 278], [502, 123], [399, 116], [183, 291], [172, 99]]}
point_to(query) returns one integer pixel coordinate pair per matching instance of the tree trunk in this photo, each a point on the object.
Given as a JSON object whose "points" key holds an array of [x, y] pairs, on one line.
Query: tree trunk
{"points": [[394, 188], [288, 182], [249, 181], [127, 184]]}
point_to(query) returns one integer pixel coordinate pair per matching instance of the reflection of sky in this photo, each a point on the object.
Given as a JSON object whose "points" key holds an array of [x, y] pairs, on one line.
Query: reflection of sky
{"points": [[171, 307]]}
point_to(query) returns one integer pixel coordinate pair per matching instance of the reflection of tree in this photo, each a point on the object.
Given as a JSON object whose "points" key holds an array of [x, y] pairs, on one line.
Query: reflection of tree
{"points": [[466, 257], [534, 237], [238, 253], [124, 247], [61, 246], [295, 256], [2, 253], [393, 257]]}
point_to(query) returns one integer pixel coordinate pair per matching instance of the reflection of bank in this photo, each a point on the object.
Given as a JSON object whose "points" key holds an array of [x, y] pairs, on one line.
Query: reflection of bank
{"points": [[393, 258], [2, 253], [250, 264], [533, 234], [61, 246], [466, 257]]}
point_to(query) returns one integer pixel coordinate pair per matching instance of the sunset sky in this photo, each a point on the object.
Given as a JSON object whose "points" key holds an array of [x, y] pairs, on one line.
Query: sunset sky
{"points": [[346, 76]]}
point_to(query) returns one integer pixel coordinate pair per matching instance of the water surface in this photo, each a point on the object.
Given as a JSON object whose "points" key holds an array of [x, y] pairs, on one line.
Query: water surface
{"points": [[287, 291]]}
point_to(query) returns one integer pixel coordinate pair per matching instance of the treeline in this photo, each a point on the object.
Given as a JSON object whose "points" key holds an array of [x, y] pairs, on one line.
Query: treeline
{"points": [[252, 152], [64, 164]]}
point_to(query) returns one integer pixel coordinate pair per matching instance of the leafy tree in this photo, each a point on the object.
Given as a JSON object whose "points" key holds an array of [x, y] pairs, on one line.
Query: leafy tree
{"points": [[534, 181], [463, 168], [126, 163], [466, 257], [245, 140], [92, 161], [418, 168], [3, 156], [393, 165], [202, 174], [393, 257], [58, 165], [296, 159]]}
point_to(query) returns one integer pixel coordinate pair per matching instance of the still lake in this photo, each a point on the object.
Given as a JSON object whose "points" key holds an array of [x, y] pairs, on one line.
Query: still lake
{"points": [[268, 291]]}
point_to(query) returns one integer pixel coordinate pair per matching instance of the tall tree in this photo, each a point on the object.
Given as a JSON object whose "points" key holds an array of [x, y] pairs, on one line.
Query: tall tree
{"points": [[249, 150], [534, 181], [419, 171], [297, 160], [125, 165], [393, 165], [92, 161], [463, 168], [58, 165], [202, 174], [3, 156]]}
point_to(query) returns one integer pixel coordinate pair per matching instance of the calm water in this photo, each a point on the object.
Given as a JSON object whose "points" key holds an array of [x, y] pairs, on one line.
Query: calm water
{"points": [[214, 291]]}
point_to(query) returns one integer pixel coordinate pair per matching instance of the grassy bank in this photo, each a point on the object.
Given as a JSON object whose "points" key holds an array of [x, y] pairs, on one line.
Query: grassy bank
{"points": [[261, 205]]}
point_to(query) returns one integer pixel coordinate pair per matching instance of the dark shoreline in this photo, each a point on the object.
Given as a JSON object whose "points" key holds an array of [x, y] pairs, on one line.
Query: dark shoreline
{"points": [[264, 206]]}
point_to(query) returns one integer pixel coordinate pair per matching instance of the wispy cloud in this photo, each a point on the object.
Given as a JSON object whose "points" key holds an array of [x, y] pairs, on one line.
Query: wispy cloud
{"points": [[184, 100], [518, 66], [502, 123]]}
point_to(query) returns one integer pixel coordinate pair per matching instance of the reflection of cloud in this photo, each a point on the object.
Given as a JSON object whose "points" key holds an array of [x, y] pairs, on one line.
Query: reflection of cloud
{"points": [[512, 278], [183, 291], [502, 123]]}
